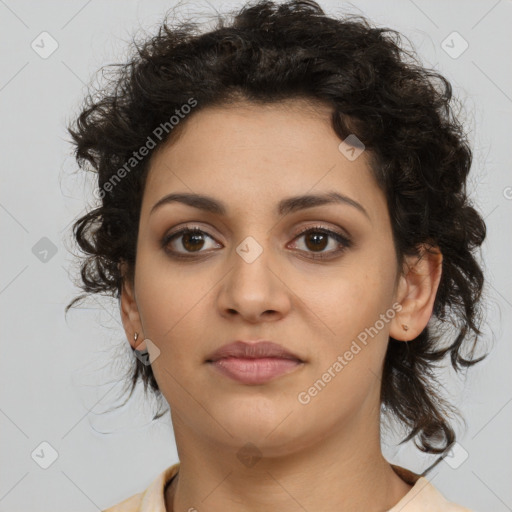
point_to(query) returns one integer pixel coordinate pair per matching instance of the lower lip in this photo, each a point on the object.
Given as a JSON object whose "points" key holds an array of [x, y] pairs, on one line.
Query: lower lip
{"points": [[255, 371]]}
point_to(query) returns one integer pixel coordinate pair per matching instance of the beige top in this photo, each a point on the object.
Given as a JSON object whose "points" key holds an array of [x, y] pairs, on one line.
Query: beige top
{"points": [[423, 496]]}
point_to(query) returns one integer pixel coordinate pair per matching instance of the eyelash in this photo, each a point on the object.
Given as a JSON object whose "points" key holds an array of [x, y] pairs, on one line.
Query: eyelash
{"points": [[343, 240]]}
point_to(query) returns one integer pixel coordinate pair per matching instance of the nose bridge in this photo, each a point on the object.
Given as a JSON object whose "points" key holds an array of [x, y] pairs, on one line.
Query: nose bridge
{"points": [[251, 259], [254, 234]]}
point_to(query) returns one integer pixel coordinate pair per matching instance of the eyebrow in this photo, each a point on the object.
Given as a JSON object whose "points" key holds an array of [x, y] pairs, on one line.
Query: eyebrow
{"points": [[284, 207]]}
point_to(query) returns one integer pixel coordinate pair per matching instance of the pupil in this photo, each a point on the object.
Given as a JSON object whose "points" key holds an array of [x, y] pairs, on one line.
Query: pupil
{"points": [[318, 244], [196, 239]]}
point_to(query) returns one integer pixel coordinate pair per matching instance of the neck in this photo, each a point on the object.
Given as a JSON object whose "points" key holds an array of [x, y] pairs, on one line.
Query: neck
{"points": [[340, 472]]}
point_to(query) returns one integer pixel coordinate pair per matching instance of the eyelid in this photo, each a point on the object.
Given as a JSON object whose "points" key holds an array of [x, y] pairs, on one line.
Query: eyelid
{"points": [[180, 231], [331, 231], [343, 240]]}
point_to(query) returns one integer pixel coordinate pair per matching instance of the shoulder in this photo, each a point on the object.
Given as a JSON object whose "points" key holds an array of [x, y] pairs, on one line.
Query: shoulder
{"points": [[151, 499], [424, 497], [131, 504]]}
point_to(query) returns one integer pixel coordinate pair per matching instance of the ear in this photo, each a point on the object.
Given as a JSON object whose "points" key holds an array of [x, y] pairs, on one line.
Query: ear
{"points": [[130, 311], [416, 292]]}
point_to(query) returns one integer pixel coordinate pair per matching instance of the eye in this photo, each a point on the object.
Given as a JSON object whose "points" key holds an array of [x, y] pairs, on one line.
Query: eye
{"points": [[192, 240], [317, 239]]}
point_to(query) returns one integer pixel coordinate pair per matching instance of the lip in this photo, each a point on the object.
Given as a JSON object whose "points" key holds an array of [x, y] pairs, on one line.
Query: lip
{"points": [[252, 350], [253, 363]]}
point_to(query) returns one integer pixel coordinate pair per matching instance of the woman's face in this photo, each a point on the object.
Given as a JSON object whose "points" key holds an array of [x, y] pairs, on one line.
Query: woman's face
{"points": [[250, 275]]}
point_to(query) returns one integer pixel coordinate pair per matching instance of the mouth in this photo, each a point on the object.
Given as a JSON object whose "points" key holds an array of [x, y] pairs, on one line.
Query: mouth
{"points": [[253, 363]]}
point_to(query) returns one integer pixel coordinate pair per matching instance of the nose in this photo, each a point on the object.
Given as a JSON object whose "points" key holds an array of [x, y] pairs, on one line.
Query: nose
{"points": [[253, 288]]}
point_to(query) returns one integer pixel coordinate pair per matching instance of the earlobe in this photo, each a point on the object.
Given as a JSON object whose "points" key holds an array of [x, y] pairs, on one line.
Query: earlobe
{"points": [[416, 292], [130, 313]]}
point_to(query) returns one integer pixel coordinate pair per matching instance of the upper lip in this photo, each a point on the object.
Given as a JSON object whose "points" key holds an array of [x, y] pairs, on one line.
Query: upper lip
{"points": [[252, 350]]}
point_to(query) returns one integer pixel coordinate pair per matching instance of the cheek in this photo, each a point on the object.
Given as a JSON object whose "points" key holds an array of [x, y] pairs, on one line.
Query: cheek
{"points": [[351, 358], [172, 304], [352, 301], [355, 309]]}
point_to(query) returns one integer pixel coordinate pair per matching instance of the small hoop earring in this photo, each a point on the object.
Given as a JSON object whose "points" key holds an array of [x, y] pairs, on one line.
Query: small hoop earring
{"points": [[135, 336], [405, 327]]}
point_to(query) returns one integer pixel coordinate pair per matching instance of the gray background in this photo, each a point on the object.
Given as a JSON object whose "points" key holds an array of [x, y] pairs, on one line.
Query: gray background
{"points": [[59, 375]]}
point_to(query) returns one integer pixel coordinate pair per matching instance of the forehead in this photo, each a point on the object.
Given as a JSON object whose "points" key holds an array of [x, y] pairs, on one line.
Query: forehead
{"points": [[249, 154]]}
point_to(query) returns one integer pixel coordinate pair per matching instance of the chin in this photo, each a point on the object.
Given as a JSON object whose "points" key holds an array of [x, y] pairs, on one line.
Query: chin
{"points": [[273, 429]]}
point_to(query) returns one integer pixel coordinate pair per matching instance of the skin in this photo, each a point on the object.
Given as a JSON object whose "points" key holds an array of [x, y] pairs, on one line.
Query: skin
{"points": [[324, 455]]}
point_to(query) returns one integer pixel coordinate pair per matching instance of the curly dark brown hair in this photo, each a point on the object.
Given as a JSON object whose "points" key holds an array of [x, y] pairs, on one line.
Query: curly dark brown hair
{"points": [[376, 89]]}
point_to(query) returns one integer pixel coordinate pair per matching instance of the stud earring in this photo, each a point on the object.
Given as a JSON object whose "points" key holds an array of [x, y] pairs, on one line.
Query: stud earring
{"points": [[405, 327], [136, 336]]}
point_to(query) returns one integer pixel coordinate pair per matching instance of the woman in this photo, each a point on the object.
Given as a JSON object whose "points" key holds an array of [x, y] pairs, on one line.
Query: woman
{"points": [[283, 219]]}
